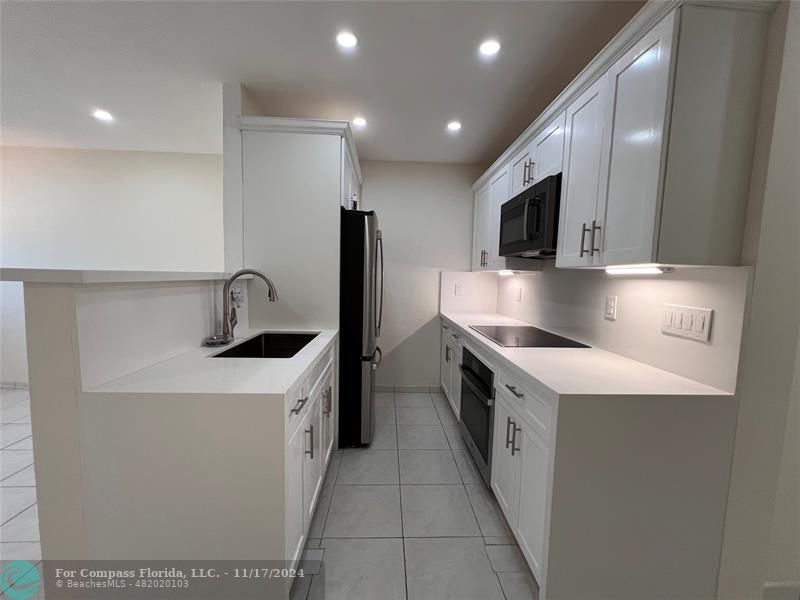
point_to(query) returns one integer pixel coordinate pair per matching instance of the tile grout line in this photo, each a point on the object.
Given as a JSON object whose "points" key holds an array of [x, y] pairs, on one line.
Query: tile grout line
{"points": [[400, 488], [16, 515]]}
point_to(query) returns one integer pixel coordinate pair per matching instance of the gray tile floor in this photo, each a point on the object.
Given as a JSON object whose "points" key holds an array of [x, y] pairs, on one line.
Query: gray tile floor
{"points": [[19, 520], [410, 519]]}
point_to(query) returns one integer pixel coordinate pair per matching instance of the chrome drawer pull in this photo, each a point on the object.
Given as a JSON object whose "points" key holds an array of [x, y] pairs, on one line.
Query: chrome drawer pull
{"points": [[514, 447], [508, 431], [513, 390], [310, 451], [584, 231], [300, 404]]}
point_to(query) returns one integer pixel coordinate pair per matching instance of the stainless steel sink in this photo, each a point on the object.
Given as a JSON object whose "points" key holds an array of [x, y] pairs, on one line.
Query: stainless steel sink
{"points": [[270, 345]]}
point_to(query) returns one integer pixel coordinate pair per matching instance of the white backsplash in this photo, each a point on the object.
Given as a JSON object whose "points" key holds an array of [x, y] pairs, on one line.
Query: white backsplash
{"points": [[572, 303]]}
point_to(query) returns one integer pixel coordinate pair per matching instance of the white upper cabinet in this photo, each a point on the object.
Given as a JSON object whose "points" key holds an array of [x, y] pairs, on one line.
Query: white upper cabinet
{"points": [[636, 114], [521, 176], [655, 143], [480, 229], [671, 181], [541, 158], [581, 181], [548, 150], [499, 193]]}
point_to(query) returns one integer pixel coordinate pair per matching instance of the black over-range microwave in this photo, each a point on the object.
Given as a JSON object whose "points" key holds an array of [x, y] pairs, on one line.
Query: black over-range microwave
{"points": [[529, 221]]}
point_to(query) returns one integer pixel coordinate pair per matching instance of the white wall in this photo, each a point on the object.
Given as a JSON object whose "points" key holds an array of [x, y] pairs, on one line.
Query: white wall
{"points": [[13, 358], [770, 343], [572, 303], [424, 210], [783, 561], [92, 209]]}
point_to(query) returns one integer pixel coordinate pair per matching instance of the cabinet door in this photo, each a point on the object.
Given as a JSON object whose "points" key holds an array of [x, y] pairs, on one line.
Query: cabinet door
{"points": [[530, 527], [505, 465], [347, 179], [499, 192], [445, 364], [639, 98], [480, 229], [455, 379], [581, 183], [548, 149], [295, 523], [520, 171], [312, 459], [328, 419]]}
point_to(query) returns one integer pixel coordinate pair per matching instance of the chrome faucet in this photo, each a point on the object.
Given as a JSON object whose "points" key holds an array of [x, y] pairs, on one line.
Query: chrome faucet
{"points": [[229, 319]]}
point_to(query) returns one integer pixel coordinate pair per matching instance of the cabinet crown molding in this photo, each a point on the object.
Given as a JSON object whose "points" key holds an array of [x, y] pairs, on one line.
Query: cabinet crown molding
{"points": [[309, 126]]}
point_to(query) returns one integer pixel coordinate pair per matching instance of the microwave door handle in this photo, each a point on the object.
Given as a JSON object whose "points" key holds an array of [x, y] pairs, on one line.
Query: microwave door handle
{"points": [[525, 220]]}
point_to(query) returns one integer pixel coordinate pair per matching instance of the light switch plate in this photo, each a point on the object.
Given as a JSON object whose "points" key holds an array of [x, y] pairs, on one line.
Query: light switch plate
{"points": [[611, 308], [519, 294], [687, 321], [457, 289]]}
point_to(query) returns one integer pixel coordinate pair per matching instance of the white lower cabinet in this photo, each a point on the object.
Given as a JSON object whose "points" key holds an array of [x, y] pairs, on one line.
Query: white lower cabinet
{"points": [[450, 374], [295, 524], [310, 418], [506, 460], [327, 420], [312, 458], [532, 497], [520, 470]]}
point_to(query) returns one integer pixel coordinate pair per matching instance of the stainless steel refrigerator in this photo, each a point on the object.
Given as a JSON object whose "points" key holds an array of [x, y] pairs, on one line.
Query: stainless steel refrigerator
{"points": [[360, 316]]}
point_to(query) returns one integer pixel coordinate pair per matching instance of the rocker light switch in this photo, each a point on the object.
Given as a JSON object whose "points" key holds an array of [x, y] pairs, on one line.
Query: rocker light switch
{"points": [[687, 321]]}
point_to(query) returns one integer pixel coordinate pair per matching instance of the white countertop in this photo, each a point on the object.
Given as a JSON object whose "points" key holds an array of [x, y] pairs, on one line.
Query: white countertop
{"points": [[578, 371], [104, 276], [196, 372]]}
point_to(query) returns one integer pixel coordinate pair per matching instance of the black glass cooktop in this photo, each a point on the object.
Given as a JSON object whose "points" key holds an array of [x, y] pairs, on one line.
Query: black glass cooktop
{"points": [[525, 337]]}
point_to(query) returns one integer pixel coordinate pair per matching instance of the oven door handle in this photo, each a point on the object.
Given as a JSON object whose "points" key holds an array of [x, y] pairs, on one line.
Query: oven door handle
{"points": [[467, 377]]}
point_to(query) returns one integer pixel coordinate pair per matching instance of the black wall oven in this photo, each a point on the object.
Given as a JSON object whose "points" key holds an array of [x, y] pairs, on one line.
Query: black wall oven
{"points": [[529, 221], [477, 411]]}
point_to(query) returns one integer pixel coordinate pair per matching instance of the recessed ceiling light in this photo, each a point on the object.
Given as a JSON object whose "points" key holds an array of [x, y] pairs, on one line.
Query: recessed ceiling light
{"points": [[346, 39], [360, 122], [489, 47], [453, 126], [102, 115]]}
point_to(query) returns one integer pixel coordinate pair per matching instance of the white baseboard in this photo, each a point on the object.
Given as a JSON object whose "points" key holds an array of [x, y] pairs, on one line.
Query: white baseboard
{"points": [[782, 590]]}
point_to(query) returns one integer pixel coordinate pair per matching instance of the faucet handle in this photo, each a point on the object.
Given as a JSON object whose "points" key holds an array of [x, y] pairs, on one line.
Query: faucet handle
{"points": [[233, 320]]}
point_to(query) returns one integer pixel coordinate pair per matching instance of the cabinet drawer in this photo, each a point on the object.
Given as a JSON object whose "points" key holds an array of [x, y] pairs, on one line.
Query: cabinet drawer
{"points": [[528, 404], [300, 396]]}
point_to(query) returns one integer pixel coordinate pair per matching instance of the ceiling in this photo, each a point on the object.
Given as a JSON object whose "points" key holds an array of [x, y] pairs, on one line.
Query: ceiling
{"points": [[158, 67]]}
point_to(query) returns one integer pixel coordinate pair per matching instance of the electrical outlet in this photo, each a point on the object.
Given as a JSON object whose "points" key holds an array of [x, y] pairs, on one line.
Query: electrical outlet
{"points": [[687, 321], [611, 308], [457, 289], [519, 294]]}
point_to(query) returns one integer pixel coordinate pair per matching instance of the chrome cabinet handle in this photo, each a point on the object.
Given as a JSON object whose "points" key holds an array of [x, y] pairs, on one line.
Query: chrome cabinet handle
{"points": [[584, 231], [447, 353], [525, 170], [513, 390], [530, 171], [595, 227], [508, 431], [514, 447], [327, 402], [310, 451], [300, 404]]}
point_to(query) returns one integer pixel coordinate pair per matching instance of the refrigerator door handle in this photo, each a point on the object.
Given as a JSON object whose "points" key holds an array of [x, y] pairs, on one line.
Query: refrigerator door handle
{"points": [[379, 305]]}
